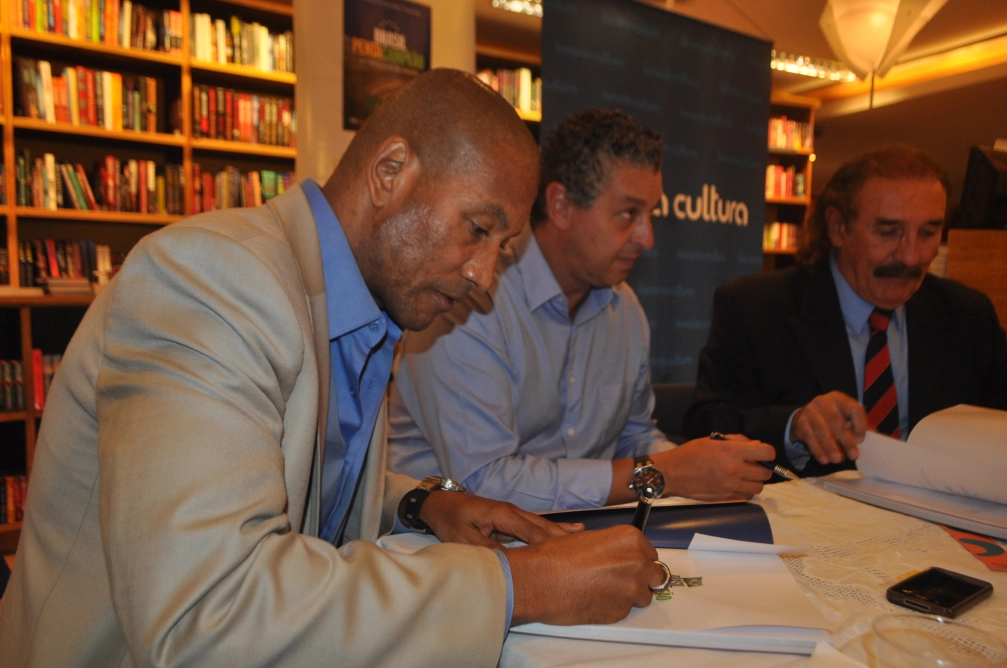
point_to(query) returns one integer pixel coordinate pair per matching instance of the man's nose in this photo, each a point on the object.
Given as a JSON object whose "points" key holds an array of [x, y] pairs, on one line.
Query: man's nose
{"points": [[643, 233], [479, 269]]}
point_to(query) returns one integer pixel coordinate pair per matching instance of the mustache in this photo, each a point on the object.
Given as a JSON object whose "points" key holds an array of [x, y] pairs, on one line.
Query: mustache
{"points": [[898, 270]]}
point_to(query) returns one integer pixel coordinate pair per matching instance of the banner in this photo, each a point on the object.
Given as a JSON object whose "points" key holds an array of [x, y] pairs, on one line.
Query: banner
{"points": [[706, 90], [387, 43]]}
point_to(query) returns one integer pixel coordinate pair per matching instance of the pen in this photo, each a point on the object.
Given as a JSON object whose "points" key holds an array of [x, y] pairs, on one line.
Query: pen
{"points": [[784, 473]]}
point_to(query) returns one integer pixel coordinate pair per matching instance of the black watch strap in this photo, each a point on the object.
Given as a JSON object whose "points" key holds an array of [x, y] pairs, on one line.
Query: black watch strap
{"points": [[412, 502]]}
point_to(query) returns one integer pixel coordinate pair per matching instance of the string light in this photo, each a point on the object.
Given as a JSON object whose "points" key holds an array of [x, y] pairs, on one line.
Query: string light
{"points": [[529, 7], [819, 68]]}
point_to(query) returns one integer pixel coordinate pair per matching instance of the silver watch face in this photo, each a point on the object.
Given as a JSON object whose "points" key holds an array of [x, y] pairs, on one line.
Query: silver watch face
{"points": [[450, 485], [648, 483]]}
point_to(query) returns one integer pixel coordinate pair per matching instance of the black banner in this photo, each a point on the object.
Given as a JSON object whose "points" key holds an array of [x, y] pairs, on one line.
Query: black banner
{"points": [[706, 90]]}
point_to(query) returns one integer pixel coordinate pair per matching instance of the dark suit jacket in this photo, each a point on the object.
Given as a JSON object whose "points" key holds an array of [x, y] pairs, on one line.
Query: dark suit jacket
{"points": [[777, 340]]}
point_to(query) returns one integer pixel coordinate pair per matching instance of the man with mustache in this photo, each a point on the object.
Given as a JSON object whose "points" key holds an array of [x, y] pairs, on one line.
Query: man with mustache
{"points": [[210, 473], [858, 336], [538, 391]]}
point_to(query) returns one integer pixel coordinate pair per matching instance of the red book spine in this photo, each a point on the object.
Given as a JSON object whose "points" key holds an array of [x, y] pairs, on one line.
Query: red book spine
{"points": [[229, 115], [111, 201], [212, 112], [143, 187], [85, 115], [38, 378], [50, 250], [86, 187], [92, 106]]}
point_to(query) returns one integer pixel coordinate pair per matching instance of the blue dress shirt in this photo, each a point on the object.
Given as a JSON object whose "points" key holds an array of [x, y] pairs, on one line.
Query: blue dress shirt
{"points": [[856, 313], [362, 340], [521, 403]]}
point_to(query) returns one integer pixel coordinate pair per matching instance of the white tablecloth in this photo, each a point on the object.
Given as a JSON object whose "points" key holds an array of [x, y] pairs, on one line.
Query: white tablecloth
{"points": [[855, 552]]}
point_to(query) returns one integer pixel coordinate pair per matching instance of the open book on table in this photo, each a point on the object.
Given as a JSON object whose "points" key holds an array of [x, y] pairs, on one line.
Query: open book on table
{"points": [[952, 469]]}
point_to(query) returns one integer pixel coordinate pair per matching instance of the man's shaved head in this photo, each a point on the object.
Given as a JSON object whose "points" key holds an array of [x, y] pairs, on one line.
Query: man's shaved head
{"points": [[449, 118], [431, 187]]}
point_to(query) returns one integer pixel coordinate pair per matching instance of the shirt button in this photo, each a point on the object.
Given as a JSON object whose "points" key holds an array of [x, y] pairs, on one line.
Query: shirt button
{"points": [[570, 431], [374, 326], [571, 379]]}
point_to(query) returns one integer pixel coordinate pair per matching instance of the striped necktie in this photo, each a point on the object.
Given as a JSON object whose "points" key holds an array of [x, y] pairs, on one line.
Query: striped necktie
{"points": [[880, 398]]}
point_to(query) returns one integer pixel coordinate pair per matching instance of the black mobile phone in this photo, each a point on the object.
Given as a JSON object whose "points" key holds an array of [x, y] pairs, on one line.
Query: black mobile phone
{"points": [[939, 592]]}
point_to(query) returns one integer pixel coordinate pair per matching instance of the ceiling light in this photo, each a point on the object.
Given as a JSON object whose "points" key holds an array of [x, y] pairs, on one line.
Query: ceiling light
{"points": [[529, 7], [819, 68], [870, 35]]}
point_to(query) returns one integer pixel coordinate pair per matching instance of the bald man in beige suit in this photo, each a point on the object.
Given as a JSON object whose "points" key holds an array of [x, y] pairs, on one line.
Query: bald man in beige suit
{"points": [[174, 511]]}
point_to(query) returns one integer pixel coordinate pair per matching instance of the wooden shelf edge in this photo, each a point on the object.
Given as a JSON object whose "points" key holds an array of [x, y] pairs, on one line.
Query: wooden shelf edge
{"points": [[534, 116], [10, 534], [97, 216], [48, 301], [504, 53], [799, 201], [96, 47], [161, 138], [245, 71], [791, 151], [779, 251], [224, 146], [263, 5], [12, 416]]}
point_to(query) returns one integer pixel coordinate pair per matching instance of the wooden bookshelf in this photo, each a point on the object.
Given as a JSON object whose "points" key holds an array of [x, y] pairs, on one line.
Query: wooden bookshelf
{"points": [[179, 74], [790, 210]]}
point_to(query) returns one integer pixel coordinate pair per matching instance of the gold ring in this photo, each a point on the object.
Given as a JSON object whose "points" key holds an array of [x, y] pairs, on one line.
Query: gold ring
{"points": [[667, 577]]}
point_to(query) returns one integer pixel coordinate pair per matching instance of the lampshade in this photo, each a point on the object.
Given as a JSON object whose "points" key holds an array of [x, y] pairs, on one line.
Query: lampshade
{"points": [[870, 35]]}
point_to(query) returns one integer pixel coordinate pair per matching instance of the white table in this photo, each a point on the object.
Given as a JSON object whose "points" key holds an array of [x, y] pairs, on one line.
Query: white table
{"points": [[855, 552]]}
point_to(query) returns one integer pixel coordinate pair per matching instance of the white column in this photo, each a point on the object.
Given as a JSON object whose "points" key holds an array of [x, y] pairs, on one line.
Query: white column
{"points": [[318, 57]]}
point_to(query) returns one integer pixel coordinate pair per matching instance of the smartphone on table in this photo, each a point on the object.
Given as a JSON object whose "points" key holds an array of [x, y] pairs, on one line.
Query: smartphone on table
{"points": [[938, 591]]}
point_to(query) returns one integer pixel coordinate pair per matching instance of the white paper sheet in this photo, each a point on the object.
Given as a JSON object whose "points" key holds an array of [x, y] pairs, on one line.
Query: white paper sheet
{"points": [[738, 600], [960, 450], [701, 541]]}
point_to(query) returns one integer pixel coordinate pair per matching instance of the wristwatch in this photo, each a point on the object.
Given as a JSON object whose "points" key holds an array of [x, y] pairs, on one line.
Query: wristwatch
{"points": [[648, 481], [412, 502]]}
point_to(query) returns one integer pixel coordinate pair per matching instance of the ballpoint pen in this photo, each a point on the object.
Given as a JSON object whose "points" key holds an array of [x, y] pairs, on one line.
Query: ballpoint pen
{"points": [[784, 473]]}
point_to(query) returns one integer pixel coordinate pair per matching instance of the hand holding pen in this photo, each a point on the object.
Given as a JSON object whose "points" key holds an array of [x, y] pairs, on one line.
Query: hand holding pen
{"points": [[781, 471]]}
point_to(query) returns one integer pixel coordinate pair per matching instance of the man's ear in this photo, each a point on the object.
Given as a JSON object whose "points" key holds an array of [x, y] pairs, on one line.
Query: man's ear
{"points": [[558, 204], [836, 226], [391, 171]]}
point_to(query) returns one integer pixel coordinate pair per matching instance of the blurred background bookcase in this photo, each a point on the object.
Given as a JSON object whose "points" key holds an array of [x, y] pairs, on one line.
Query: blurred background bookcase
{"points": [[791, 156], [47, 322]]}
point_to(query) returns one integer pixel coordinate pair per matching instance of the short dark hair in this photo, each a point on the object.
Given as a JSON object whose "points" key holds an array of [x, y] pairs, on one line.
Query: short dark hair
{"points": [[892, 161], [572, 155]]}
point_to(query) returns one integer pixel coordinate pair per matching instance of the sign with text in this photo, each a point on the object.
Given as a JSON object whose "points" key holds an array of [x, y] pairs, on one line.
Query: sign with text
{"points": [[387, 43], [706, 90]]}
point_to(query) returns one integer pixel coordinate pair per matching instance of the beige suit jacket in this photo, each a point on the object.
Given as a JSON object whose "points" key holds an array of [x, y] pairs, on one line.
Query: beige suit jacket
{"points": [[173, 506]]}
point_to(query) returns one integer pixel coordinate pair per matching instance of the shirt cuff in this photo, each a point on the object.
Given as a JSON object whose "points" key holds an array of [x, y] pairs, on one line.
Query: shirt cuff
{"points": [[510, 588], [583, 483], [797, 452]]}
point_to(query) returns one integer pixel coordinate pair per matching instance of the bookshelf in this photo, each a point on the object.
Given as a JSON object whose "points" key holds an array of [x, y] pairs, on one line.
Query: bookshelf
{"points": [[791, 155], [502, 69], [47, 322]]}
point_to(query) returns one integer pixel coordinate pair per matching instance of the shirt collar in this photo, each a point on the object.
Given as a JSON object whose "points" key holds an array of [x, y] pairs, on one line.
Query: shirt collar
{"points": [[350, 304], [541, 286], [856, 310]]}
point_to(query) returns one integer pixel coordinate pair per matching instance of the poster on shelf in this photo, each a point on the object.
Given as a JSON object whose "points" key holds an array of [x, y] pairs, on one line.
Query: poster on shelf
{"points": [[706, 90], [386, 44]]}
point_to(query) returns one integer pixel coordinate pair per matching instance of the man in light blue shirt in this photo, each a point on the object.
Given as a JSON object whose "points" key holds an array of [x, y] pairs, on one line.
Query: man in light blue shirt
{"points": [[859, 335], [538, 391]]}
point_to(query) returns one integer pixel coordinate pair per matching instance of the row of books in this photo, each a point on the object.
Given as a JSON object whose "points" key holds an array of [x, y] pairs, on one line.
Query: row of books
{"points": [[12, 380], [229, 188], [15, 491], [223, 113], [112, 22], [784, 182], [82, 96], [138, 186], [63, 266], [786, 133], [518, 87], [240, 43], [779, 236]]}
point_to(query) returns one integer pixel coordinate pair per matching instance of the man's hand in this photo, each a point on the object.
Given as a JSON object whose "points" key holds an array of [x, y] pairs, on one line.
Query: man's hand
{"points": [[832, 426], [594, 577], [716, 470], [464, 518]]}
